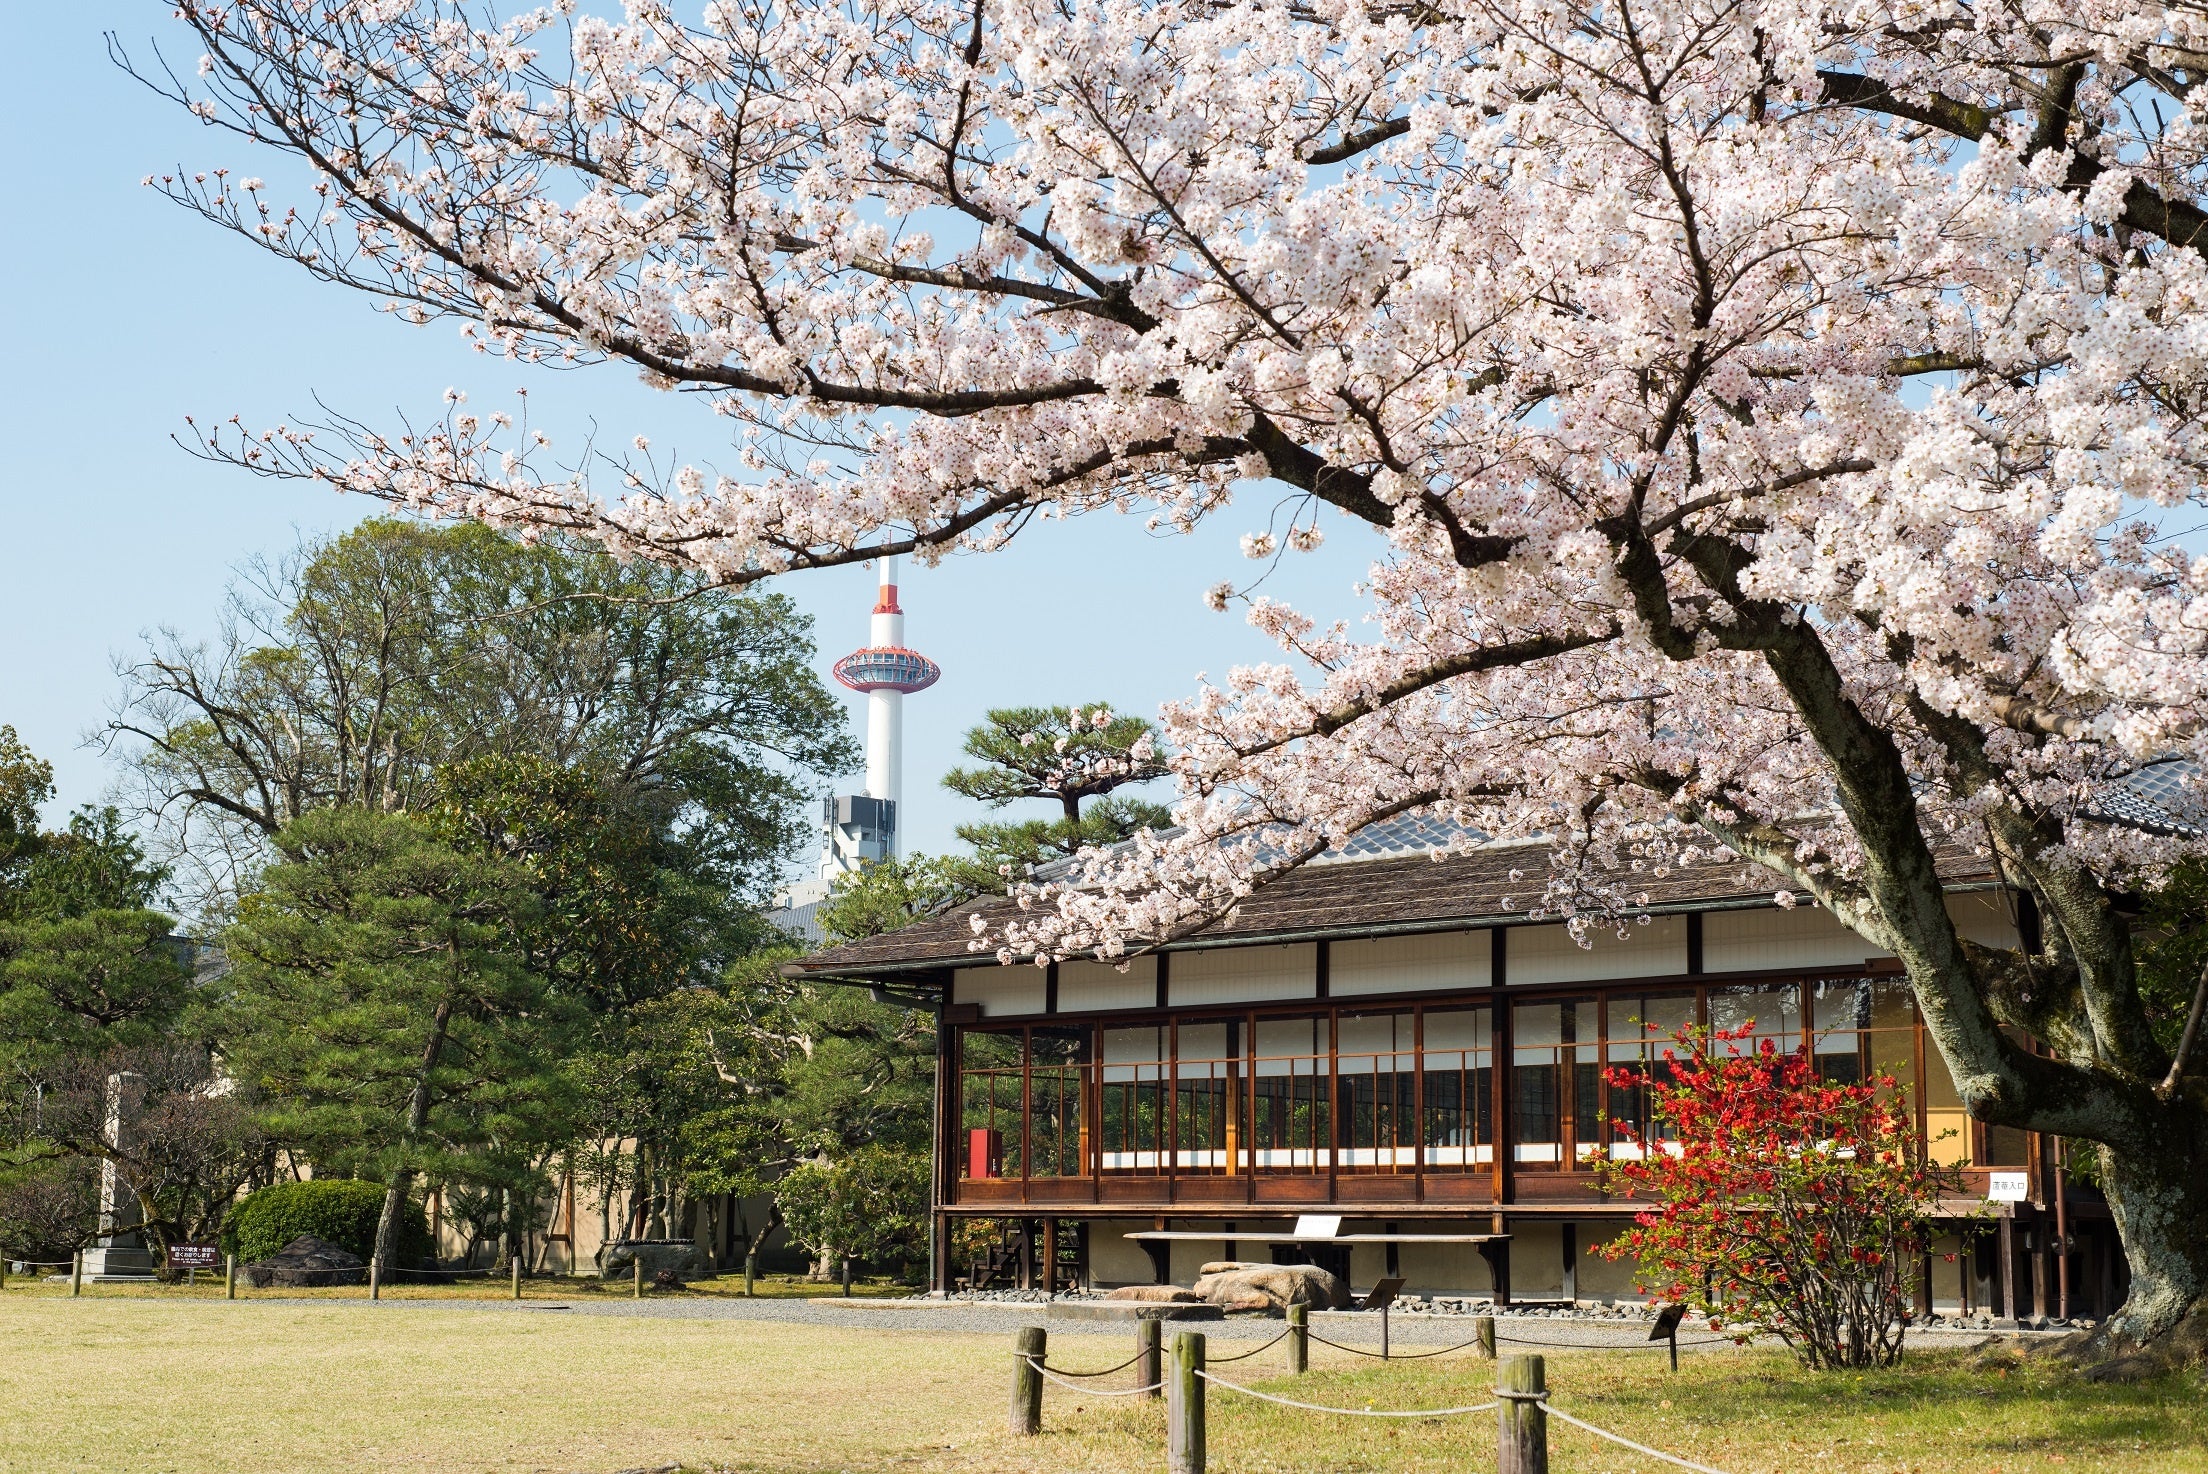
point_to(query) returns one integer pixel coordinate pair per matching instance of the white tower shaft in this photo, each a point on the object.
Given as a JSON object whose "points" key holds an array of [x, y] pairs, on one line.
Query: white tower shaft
{"points": [[885, 708]]}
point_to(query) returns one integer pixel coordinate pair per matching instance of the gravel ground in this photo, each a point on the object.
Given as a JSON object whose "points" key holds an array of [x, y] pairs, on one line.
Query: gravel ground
{"points": [[1360, 1330]]}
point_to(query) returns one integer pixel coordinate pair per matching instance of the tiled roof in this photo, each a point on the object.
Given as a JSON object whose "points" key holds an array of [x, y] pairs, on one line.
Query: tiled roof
{"points": [[2166, 797], [1348, 896]]}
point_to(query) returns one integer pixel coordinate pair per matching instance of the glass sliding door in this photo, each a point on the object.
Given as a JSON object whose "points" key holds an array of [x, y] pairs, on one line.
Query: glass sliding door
{"points": [[1133, 1102], [1376, 1091], [1771, 1014], [1291, 1121], [1458, 1057], [1555, 1082], [991, 1081], [1058, 1092], [1642, 1029], [1207, 1099]]}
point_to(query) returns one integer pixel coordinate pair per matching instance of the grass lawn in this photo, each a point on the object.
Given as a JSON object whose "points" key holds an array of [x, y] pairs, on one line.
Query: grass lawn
{"points": [[115, 1382]]}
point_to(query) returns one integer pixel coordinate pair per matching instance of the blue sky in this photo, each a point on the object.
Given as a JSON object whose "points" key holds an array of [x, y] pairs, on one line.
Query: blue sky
{"points": [[125, 315]]}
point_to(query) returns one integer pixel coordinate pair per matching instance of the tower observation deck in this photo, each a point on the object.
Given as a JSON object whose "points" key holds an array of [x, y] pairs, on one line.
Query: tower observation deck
{"points": [[860, 828]]}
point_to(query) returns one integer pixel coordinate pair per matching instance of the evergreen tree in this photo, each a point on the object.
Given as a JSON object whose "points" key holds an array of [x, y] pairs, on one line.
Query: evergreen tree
{"points": [[383, 1008], [1076, 758]]}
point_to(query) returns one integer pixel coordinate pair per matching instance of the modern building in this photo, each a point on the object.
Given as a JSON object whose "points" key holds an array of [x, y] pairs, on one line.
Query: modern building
{"points": [[1393, 1036]]}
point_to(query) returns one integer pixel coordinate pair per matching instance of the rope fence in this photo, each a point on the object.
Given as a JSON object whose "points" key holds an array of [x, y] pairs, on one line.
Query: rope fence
{"points": [[1347, 1412], [1049, 1375], [1521, 1402], [1069, 1372], [1623, 1442]]}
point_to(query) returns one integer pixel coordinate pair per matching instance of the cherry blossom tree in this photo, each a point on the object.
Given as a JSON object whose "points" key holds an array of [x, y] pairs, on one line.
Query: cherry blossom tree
{"points": [[1772, 420]]}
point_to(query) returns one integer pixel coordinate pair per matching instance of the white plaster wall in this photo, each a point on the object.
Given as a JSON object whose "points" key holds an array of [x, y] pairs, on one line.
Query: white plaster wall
{"points": [[1982, 917], [1242, 975], [1084, 987], [1547, 954], [1536, 1260], [1190, 1255], [1601, 1279], [1771, 940], [1000, 990], [1442, 1269], [1115, 1259], [1407, 964]]}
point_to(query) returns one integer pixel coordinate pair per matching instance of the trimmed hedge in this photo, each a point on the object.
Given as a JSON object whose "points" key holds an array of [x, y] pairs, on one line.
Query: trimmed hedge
{"points": [[342, 1211]]}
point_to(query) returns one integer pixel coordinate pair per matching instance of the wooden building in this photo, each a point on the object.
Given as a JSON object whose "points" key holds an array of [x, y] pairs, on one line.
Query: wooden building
{"points": [[1392, 1038]]}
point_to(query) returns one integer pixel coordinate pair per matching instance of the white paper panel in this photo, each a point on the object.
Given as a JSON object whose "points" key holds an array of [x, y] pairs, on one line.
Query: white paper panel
{"points": [[1000, 990], [1772, 940], [1547, 954], [1087, 986], [1406, 964], [1243, 975]]}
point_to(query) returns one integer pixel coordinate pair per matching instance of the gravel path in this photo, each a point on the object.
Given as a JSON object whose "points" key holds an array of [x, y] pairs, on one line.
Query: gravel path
{"points": [[1528, 1333]]}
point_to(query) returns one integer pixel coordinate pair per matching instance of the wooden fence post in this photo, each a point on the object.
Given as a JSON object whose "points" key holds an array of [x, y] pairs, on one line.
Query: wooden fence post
{"points": [[1029, 1347], [76, 1273], [1150, 1355], [517, 1276], [1299, 1339], [1184, 1406], [847, 1276], [1484, 1329], [230, 1277], [751, 1273], [375, 1279], [636, 1280], [1522, 1431]]}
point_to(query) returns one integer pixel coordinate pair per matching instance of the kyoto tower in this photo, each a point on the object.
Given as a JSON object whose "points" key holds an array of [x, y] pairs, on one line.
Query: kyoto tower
{"points": [[863, 829]]}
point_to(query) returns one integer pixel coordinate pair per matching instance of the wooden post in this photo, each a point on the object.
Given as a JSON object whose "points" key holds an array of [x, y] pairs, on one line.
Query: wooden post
{"points": [[1150, 1353], [1299, 1339], [2036, 1245], [1184, 1406], [1383, 1333], [517, 1276], [375, 1279], [76, 1273], [1484, 1329], [751, 1273], [1029, 1347], [636, 1278], [2007, 1242], [230, 1277], [2062, 1235], [847, 1276], [1522, 1424]]}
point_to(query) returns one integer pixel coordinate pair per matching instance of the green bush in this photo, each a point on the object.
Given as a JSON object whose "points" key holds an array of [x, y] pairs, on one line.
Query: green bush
{"points": [[342, 1211]]}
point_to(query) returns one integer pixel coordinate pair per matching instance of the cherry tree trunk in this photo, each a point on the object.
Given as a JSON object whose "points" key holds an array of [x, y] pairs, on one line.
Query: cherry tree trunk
{"points": [[2157, 1185]]}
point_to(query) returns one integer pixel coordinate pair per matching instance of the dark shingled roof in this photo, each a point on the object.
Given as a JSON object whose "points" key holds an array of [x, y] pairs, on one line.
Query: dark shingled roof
{"points": [[1351, 897]]}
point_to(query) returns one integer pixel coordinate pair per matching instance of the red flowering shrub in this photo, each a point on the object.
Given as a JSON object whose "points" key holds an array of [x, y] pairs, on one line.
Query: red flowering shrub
{"points": [[1784, 1203]]}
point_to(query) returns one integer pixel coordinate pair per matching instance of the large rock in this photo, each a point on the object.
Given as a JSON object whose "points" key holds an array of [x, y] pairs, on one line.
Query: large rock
{"points": [[1156, 1295], [1274, 1287], [304, 1262], [686, 1260]]}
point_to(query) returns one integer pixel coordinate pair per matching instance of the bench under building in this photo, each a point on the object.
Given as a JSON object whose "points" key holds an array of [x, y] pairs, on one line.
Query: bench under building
{"points": [[1391, 1039]]}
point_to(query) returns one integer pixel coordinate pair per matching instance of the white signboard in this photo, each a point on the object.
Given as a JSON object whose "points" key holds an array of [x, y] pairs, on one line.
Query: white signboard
{"points": [[2008, 1187], [1318, 1225]]}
